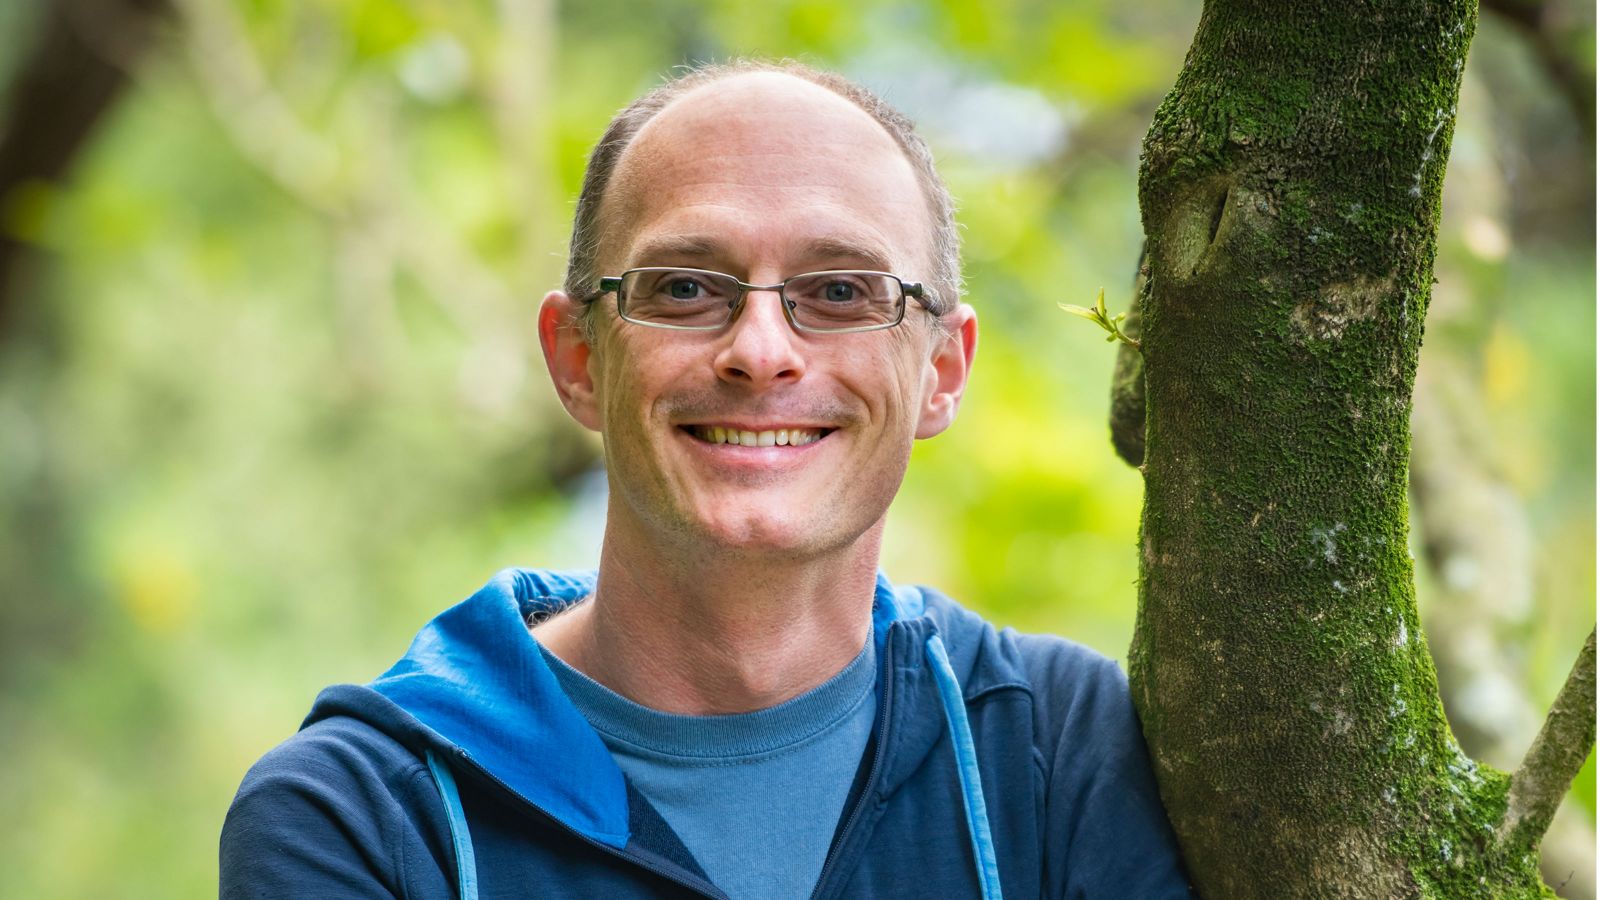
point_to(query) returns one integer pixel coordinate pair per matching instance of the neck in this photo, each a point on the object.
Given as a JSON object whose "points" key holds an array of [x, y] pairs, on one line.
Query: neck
{"points": [[712, 636]]}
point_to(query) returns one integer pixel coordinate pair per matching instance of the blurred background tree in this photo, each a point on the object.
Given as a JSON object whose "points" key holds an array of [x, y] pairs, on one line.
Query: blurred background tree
{"points": [[270, 395]]}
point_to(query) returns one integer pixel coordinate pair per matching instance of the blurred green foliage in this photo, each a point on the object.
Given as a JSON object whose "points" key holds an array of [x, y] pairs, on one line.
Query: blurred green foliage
{"points": [[272, 396]]}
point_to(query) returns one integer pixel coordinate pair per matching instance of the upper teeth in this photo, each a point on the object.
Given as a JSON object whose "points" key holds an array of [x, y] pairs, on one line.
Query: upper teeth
{"points": [[781, 436]]}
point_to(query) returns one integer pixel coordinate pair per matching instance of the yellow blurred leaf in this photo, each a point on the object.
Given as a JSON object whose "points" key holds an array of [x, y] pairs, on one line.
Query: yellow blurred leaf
{"points": [[1507, 367], [155, 585]]}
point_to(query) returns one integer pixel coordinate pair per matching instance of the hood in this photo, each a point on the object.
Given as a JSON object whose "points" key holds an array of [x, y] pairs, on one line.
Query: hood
{"points": [[473, 686]]}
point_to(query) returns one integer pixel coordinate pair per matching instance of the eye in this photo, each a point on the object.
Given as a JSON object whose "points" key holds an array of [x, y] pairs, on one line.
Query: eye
{"points": [[683, 289], [839, 292]]}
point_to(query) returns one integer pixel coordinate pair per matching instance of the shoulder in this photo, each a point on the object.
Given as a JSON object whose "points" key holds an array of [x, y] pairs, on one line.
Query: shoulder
{"points": [[1084, 722], [1063, 675], [1072, 683], [334, 758], [338, 803]]}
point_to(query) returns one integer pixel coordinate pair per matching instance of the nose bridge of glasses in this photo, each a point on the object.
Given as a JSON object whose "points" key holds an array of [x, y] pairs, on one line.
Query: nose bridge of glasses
{"points": [[745, 290]]}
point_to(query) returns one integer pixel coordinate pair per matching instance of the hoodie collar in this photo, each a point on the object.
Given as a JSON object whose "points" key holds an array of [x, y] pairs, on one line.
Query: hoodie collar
{"points": [[476, 678]]}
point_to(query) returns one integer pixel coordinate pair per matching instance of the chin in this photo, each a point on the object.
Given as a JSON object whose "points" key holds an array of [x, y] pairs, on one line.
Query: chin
{"points": [[762, 534]]}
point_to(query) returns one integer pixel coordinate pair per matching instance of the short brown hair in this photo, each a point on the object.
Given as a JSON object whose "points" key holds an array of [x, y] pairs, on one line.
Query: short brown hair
{"points": [[944, 285]]}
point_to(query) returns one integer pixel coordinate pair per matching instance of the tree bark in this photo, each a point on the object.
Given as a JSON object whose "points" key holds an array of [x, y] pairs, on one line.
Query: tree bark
{"points": [[1290, 196]]}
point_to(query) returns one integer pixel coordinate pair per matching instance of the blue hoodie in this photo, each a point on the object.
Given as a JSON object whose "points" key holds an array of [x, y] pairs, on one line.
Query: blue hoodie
{"points": [[1001, 765]]}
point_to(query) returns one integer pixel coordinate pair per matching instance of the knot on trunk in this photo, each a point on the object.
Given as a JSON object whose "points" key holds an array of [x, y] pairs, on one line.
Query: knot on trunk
{"points": [[1196, 224]]}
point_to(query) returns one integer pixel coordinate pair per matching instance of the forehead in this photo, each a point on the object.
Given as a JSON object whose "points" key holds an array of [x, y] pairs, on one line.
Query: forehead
{"points": [[765, 166]]}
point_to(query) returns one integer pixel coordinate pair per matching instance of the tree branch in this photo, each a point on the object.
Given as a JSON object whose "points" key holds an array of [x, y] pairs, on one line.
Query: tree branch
{"points": [[1556, 756], [368, 205], [519, 99], [1559, 40], [72, 76]]}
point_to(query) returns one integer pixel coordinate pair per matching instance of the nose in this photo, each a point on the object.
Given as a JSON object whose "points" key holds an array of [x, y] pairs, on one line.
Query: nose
{"points": [[760, 349]]}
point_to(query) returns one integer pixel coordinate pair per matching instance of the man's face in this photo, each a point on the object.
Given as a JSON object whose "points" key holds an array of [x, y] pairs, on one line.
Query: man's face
{"points": [[763, 176]]}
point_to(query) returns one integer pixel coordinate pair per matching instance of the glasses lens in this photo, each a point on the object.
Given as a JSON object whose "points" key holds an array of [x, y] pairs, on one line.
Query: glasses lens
{"points": [[684, 298], [835, 301]]}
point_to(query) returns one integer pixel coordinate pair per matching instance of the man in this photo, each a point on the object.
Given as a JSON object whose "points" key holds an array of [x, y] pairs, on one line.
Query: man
{"points": [[761, 313]]}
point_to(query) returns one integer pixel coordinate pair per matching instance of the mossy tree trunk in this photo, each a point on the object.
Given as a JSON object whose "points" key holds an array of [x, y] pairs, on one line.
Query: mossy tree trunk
{"points": [[1290, 195]]}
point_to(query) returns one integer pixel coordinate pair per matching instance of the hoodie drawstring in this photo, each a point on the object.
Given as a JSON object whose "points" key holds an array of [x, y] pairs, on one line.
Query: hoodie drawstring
{"points": [[955, 713], [466, 864]]}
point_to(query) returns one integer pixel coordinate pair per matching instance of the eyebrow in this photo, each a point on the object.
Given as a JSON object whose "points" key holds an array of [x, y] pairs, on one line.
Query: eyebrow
{"points": [[676, 246], [865, 252], [869, 253]]}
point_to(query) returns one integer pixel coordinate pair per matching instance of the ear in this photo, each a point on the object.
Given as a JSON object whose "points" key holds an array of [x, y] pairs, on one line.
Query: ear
{"points": [[566, 355], [949, 364]]}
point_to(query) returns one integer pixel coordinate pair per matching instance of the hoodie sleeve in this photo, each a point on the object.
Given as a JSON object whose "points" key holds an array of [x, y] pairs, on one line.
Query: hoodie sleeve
{"points": [[1106, 833], [334, 813]]}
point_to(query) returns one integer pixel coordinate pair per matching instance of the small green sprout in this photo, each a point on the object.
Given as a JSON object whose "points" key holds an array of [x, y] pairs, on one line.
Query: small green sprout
{"points": [[1097, 315]]}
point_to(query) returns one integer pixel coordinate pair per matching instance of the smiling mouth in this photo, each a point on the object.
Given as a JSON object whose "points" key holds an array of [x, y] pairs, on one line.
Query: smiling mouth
{"points": [[777, 437]]}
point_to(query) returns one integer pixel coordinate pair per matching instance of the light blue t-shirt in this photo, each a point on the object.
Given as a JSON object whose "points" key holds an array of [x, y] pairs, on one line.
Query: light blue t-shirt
{"points": [[754, 796]]}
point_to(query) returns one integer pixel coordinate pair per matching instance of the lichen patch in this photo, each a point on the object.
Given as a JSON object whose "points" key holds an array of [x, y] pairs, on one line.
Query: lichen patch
{"points": [[1325, 316], [1324, 543]]}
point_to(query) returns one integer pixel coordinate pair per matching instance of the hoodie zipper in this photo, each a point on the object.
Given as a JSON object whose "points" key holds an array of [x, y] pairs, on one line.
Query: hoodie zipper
{"points": [[689, 881], [870, 787]]}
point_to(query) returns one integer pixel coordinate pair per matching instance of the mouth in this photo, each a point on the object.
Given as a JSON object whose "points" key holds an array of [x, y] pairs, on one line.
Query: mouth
{"points": [[773, 437]]}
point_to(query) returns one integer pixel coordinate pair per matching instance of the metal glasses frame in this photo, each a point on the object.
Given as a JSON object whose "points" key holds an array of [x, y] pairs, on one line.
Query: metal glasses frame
{"points": [[612, 284]]}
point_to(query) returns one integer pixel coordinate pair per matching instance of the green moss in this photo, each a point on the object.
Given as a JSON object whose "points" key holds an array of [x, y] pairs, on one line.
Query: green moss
{"points": [[1456, 854]]}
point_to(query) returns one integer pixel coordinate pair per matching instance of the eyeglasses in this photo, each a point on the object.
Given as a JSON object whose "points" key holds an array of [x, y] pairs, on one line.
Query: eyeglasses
{"points": [[698, 300]]}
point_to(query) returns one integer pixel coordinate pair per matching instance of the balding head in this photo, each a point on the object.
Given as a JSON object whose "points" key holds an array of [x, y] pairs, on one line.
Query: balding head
{"points": [[748, 89]]}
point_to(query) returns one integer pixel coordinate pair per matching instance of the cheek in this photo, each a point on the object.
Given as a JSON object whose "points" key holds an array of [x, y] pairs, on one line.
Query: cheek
{"points": [[616, 385], [911, 379], [893, 393], [633, 379]]}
